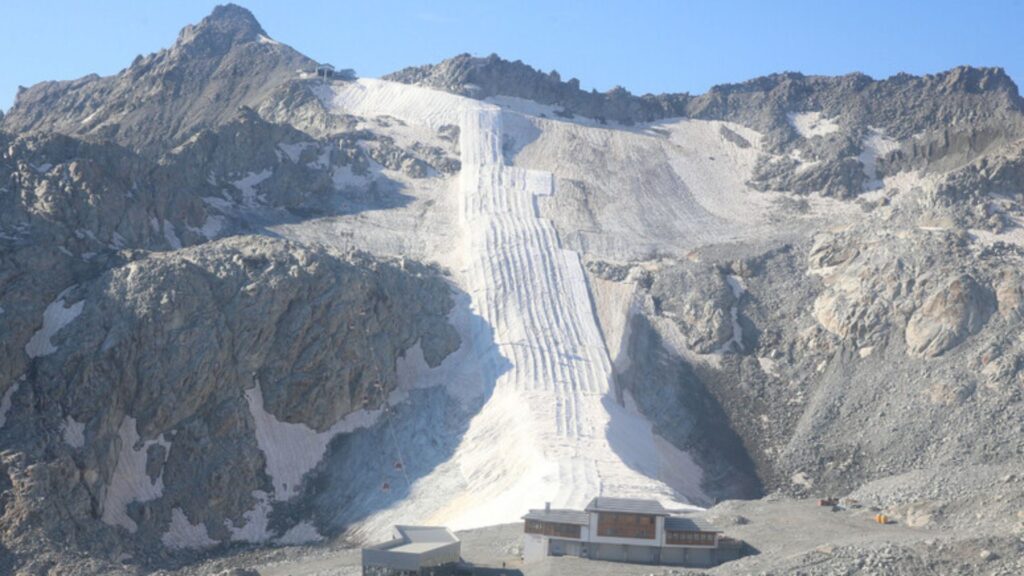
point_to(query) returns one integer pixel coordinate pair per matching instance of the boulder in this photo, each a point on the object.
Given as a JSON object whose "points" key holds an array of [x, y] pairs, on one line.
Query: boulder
{"points": [[959, 308]]}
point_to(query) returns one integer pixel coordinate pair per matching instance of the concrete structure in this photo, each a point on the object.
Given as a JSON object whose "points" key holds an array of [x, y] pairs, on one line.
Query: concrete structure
{"points": [[625, 530], [324, 71], [415, 550], [327, 71]]}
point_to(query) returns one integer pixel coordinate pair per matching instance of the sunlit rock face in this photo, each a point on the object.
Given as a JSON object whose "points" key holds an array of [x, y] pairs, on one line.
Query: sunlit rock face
{"points": [[240, 304]]}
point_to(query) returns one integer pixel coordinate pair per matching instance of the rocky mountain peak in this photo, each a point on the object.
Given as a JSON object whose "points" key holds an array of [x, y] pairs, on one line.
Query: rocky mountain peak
{"points": [[226, 26], [985, 79], [216, 66]]}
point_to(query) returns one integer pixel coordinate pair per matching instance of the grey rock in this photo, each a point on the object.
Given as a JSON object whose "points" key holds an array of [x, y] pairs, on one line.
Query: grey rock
{"points": [[963, 113], [173, 340], [865, 358], [698, 301], [957, 309], [215, 67]]}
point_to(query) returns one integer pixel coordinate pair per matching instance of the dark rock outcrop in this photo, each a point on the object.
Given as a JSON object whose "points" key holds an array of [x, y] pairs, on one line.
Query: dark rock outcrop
{"points": [[162, 351], [955, 115], [224, 62]]}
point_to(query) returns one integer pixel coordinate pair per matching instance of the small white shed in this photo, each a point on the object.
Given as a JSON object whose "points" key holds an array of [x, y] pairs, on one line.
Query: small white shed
{"points": [[413, 550]]}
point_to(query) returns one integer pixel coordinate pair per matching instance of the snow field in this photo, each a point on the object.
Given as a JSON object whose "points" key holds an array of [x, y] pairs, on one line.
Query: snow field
{"points": [[183, 534], [292, 450], [811, 124], [874, 146], [550, 430], [129, 482], [55, 317]]}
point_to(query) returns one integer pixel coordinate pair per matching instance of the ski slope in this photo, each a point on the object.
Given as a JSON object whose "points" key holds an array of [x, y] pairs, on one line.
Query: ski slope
{"points": [[550, 431]]}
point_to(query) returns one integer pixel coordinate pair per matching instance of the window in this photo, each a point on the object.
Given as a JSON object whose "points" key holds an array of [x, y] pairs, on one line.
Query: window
{"points": [[620, 525], [552, 529], [688, 538]]}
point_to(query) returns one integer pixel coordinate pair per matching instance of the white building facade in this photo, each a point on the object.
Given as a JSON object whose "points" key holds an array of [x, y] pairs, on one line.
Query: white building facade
{"points": [[414, 550], [625, 530]]}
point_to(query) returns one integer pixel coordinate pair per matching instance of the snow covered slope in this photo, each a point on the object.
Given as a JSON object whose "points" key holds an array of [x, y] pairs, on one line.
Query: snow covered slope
{"points": [[551, 429]]}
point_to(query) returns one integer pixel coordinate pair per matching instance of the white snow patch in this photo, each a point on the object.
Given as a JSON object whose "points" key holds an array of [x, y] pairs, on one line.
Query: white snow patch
{"points": [[89, 118], [5, 402], [211, 226], [293, 150], [302, 533], [118, 241], [183, 534], [219, 203], [291, 450], [73, 432], [256, 521], [267, 40], [369, 98], [713, 204], [55, 317], [248, 184], [803, 165], [343, 177], [41, 168], [768, 365], [811, 124], [129, 482], [322, 160], [171, 236], [529, 107], [874, 146]]}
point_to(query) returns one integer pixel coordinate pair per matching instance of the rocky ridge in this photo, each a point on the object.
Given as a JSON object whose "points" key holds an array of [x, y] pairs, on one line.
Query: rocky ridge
{"points": [[153, 331], [952, 117], [153, 327]]}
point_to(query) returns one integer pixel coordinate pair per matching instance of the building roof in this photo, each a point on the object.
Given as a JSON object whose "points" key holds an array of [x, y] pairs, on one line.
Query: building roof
{"points": [[689, 524], [559, 516], [416, 539], [413, 547], [627, 506], [426, 534]]}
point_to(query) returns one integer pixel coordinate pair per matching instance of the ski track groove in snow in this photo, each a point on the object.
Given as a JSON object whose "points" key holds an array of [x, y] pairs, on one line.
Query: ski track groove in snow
{"points": [[551, 430]]}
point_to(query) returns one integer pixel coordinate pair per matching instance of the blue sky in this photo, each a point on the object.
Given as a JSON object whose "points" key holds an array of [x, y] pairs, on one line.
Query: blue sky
{"points": [[643, 45]]}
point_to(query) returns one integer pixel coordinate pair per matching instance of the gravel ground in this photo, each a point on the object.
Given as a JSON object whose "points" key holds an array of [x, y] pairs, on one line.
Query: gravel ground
{"points": [[788, 536]]}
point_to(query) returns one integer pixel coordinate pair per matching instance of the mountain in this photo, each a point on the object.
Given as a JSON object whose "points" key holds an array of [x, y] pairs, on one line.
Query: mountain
{"points": [[242, 306], [224, 62], [968, 110]]}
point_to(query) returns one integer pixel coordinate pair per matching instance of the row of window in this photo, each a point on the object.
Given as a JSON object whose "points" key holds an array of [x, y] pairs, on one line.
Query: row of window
{"points": [[692, 538], [611, 517], [626, 525], [552, 529], [620, 532]]}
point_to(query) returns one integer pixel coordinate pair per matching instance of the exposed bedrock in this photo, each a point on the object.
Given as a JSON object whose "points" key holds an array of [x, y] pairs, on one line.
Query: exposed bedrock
{"points": [[141, 421], [940, 120], [908, 358], [160, 100]]}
